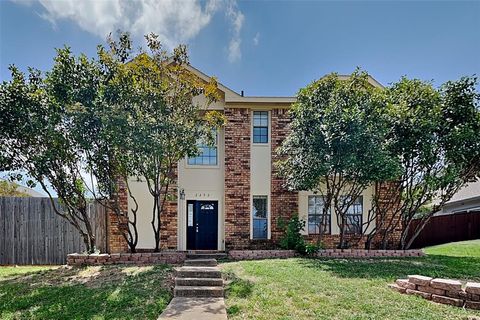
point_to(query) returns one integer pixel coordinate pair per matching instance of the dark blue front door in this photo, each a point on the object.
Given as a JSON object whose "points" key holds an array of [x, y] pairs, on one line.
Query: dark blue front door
{"points": [[202, 225]]}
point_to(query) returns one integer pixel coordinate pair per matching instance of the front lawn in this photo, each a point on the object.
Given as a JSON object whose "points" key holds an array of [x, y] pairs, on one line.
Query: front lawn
{"points": [[345, 289], [114, 292]]}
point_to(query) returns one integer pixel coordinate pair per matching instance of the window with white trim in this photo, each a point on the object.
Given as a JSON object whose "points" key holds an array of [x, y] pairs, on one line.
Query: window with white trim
{"points": [[260, 126], [317, 219], [354, 215], [207, 154], [260, 217]]}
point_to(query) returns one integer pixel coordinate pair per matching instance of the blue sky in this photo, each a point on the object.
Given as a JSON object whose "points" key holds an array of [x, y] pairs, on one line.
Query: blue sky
{"points": [[264, 48]]}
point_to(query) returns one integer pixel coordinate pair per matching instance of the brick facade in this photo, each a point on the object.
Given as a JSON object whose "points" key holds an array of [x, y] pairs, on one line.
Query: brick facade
{"points": [[283, 202], [237, 199], [389, 223], [117, 224], [168, 227], [237, 178]]}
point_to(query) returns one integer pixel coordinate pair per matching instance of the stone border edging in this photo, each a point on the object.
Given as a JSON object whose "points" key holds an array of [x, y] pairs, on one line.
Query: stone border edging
{"points": [[327, 253], [167, 257], [446, 291], [260, 254], [362, 253]]}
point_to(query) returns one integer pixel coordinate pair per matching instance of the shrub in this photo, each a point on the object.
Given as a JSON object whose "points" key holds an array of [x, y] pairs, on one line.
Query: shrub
{"points": [[312, 248], [292, 239]]}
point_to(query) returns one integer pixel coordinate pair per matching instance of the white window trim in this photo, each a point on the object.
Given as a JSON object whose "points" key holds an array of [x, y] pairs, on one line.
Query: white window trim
{"points": [[258, 144], [269, 235], [206, 166]]}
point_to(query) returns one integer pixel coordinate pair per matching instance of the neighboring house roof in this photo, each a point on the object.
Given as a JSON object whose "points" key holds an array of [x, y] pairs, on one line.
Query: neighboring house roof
{"points": [[466, 199], [233, 97], [471, 190], [31, 192]]}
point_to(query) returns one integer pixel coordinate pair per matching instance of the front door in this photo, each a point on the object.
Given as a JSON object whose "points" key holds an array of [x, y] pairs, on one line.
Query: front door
{"points": [[202, 225]]}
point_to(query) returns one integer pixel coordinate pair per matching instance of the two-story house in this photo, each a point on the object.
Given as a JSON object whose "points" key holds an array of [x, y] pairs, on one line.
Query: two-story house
{"points": [[230, 196]]}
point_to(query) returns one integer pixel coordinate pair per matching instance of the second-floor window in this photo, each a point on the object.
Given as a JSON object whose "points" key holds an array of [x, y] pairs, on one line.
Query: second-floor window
{"points": [[260, 127], [207, 156]]}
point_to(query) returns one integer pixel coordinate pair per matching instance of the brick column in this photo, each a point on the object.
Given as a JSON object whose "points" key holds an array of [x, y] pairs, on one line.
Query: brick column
{"points": [[237, 178], [168, 227], [283, 202], [116, 223], [388, 192]]}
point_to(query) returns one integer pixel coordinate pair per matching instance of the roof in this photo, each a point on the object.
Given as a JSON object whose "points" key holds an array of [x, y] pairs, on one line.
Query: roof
{"points": [[233, 97], [470, 191]]}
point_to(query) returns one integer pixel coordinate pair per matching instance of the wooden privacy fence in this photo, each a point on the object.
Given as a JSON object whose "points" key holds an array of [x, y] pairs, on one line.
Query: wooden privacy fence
{"points": [[449, 228], [32, 233]]}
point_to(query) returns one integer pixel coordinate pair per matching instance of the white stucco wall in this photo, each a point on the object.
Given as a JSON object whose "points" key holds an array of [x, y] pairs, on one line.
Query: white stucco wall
{"points": [[260, 171]]}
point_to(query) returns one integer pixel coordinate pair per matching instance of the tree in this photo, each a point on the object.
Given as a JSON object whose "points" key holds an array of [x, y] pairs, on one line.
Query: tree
{"points": [[337, 143], [152, 94], [35, 139], [436, 137]]}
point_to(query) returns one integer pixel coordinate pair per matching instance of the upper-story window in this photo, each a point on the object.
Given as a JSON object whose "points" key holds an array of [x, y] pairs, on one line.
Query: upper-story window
{"points": [[207, 156], [260, 126]]}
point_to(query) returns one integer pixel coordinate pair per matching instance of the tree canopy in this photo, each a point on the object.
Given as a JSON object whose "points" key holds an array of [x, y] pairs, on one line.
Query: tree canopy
{"points": [[347, 135]]}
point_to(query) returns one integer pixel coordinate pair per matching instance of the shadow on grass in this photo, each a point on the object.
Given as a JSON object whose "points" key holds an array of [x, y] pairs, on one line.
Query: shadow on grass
{"points": [[118, 292], [462, 268]]}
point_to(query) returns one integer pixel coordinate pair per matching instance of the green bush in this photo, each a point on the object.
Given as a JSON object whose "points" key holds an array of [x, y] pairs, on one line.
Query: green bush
{"points": [[312, 248], [292, 239]]}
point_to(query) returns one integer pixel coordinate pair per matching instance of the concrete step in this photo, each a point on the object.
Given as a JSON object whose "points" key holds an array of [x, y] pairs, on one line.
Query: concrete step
{"points": [[203, 256], [201, 262], [199, 282], [198, 272], [204, 292], [204, 251]]}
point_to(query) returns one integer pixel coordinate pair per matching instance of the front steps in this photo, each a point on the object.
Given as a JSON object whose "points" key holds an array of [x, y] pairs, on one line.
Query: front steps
{"points": [[199, 277], [206, 255]]}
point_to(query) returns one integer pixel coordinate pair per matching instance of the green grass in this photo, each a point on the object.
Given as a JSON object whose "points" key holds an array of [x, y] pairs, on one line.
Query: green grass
{"points": [[457, 249], [113, 292], [345, 288]]}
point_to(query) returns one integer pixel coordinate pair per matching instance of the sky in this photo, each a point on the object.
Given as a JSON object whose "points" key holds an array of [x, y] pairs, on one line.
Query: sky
{"points": [[265, 48]]}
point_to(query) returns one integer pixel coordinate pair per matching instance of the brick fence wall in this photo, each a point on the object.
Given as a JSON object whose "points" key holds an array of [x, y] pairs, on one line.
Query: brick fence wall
{"points": [[445, 291], [168, 257]]}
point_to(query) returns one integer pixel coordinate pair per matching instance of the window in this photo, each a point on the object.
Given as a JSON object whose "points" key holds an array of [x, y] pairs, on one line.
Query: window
{"points": [[260, 127], [260, 217], [353, 216], [317, 220], [207, 155]]}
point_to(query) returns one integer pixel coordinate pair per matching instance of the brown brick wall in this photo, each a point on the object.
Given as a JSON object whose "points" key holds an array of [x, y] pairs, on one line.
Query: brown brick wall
{"points": [[283, 202], [388, 193], [116, 224], [237, 178], [168, 228]]}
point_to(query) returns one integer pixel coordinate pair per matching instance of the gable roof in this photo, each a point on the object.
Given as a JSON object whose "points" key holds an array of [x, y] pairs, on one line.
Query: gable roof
{"points": [[233, 97]]}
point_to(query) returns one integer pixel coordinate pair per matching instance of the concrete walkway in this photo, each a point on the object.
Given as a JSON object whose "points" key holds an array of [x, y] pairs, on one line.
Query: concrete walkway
{"points": [[198, 292], [195, 309]]}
